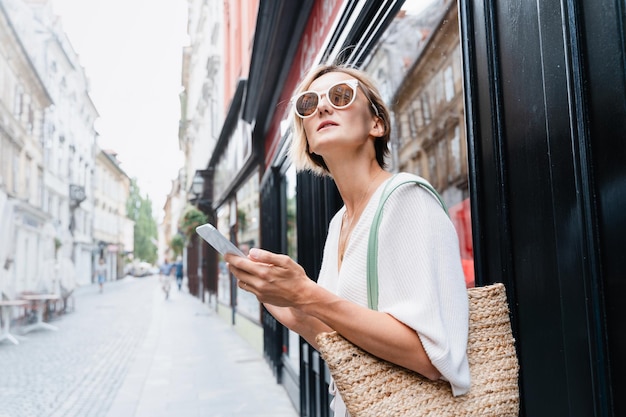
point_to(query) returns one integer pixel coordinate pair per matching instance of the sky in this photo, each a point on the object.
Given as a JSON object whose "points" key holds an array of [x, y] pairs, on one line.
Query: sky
{"points": [[131, 51]]}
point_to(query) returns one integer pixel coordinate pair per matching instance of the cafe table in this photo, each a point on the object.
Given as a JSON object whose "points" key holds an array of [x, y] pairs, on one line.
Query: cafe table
{"points": [[39, 301]]}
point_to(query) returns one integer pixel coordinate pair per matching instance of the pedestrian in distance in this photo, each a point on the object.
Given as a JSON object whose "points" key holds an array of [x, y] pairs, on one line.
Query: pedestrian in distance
{"points": [[179, 273], [101, 273], [342, 130], [165, 277], [166, 267]]}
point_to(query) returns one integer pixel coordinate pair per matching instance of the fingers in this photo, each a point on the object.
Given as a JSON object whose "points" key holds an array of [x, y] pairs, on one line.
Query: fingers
{"points": [[270, 277], [266, 257], [259, 256], [243, 285], [244, 270]]}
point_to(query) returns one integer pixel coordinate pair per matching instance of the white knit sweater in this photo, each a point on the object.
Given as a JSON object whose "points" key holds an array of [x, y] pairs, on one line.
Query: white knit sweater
{"points": [[420, 277]]}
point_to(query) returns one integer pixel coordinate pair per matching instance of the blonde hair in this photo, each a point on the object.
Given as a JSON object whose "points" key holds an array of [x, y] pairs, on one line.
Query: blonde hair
{"points": [[302, 157]]}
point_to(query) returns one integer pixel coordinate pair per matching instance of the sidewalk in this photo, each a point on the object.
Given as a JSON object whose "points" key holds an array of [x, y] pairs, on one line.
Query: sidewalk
{"points": [[191, 363]]}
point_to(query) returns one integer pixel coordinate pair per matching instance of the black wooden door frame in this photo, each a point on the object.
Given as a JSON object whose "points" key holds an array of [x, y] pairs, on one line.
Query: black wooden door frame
{"points": [[540, 160]]}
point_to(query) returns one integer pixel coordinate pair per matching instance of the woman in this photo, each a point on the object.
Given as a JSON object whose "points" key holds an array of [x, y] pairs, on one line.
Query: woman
{"points": [[342, 129]]}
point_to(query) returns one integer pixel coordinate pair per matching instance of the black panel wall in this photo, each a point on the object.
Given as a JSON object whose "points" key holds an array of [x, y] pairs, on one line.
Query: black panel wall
{"points": [[317, 201], [546, 114], [271, 239], [605, 86]]}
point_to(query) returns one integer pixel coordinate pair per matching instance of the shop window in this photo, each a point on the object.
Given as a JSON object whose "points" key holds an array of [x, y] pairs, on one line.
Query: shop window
{"points": [[223, 276], [247, 226], [292, 231], [293, 339], [428, 104]]}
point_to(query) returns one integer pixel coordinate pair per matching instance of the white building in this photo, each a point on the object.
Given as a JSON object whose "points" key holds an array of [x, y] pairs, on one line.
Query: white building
{"points": [[67, 138], [26, 232], [202, 78]]}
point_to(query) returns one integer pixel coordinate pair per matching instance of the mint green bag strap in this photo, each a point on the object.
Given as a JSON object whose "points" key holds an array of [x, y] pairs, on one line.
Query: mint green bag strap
{"points": [[372, 246]]}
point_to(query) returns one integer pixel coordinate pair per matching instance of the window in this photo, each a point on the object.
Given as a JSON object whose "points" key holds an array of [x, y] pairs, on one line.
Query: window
{"points": [[425, 108], [412, 127], [432, 168], [442, 162], [223, 278], [293, 341], [455, 155], [449, 83], [15, 174], [248, 236], [417, 111], [17, 104]]}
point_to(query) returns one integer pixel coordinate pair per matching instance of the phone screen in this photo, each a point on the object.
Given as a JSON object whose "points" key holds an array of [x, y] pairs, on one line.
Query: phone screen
{"points": [[217, 240]]}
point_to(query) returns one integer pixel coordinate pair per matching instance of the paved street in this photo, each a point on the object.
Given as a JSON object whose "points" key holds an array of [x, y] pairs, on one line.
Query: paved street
{"points": [[128, 352]]}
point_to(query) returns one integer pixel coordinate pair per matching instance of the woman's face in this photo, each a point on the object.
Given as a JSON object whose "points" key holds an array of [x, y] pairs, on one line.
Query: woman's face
{"points": [[330, 130]]}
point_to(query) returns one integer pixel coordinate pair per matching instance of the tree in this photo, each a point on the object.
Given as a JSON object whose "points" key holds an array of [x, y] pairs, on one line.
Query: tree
{"points": [[139, 209], [177, 244], [191, 218]]}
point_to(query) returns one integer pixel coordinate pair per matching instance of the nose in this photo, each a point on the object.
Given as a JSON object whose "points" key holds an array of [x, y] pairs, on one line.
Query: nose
{"points": [[323, 103]]}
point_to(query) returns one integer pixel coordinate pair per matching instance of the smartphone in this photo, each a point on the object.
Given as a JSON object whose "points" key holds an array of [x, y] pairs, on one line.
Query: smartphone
{"points": [[217, 240]]}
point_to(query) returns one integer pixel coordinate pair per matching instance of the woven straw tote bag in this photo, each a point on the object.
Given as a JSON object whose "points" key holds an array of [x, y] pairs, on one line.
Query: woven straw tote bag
{"points": [[372, 387]]}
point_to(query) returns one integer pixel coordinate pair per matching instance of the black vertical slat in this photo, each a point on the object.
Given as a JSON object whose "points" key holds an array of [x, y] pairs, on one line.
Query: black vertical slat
{"points": [[317, 201], [273, 331], [545, 105], [603, 57]]}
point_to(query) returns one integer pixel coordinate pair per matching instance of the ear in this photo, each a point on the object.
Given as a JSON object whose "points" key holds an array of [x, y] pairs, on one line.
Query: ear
{"points": [[378, 128]]}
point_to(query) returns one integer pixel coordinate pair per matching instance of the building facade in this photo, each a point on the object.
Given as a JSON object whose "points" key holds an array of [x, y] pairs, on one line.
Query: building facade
{"points": [[214, 69], [28, 232], [67, 140], [113, 235], [172, 209]]}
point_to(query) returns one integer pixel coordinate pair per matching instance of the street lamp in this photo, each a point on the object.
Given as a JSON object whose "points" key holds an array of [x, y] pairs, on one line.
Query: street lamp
{"points": [[201, 179], [197, 184], [201, 188]]}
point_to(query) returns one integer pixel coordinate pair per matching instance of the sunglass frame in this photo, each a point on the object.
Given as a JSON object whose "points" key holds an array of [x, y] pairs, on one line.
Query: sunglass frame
{"points": [[352, 83]]}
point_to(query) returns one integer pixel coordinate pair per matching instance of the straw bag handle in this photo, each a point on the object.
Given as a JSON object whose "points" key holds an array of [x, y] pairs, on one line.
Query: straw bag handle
{"points": [[372, 246]]}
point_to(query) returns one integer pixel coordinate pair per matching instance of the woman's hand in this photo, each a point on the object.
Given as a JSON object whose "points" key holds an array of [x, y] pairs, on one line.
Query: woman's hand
{"points": [[278, 280], [274, 279]]}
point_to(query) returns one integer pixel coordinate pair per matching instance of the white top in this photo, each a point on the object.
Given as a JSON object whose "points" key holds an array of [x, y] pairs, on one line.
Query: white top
{"points": [[420, 278]]}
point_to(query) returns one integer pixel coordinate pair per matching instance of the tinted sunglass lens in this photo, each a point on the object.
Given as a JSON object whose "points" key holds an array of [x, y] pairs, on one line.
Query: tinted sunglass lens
{"points": [[306, 104], [340, 95]]}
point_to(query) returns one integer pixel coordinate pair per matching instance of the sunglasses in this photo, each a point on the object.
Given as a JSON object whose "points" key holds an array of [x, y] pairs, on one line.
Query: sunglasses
{"points": [[339, 95]]}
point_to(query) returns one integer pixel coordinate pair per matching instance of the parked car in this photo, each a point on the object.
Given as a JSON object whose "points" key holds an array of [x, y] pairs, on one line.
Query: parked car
{"points": [[142, 269]]}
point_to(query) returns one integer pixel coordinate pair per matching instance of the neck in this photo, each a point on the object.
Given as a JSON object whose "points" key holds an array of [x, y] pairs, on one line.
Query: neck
{"points": [[357, 188]]}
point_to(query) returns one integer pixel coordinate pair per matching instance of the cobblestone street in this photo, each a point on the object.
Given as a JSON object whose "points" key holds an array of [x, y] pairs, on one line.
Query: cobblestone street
{"points": [[129, 352]]}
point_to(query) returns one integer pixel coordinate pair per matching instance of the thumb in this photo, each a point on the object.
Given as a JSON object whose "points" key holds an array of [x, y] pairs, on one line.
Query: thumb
{"points": [[263, 256]]}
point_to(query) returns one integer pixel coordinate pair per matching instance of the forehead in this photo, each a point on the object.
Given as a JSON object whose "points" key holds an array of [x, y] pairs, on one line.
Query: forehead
{"points": [[329, 79]]}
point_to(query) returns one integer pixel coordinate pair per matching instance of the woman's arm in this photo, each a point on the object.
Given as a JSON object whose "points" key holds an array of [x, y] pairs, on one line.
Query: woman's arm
{"points": [[279, 281], [306, 326]]}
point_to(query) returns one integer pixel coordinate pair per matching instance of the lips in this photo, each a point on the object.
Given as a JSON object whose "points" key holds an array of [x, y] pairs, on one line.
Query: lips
{"points": [[325, 124]]}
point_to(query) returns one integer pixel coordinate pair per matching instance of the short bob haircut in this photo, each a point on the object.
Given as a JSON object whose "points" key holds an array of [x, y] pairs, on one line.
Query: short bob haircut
{"points": [[302, 158]]}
